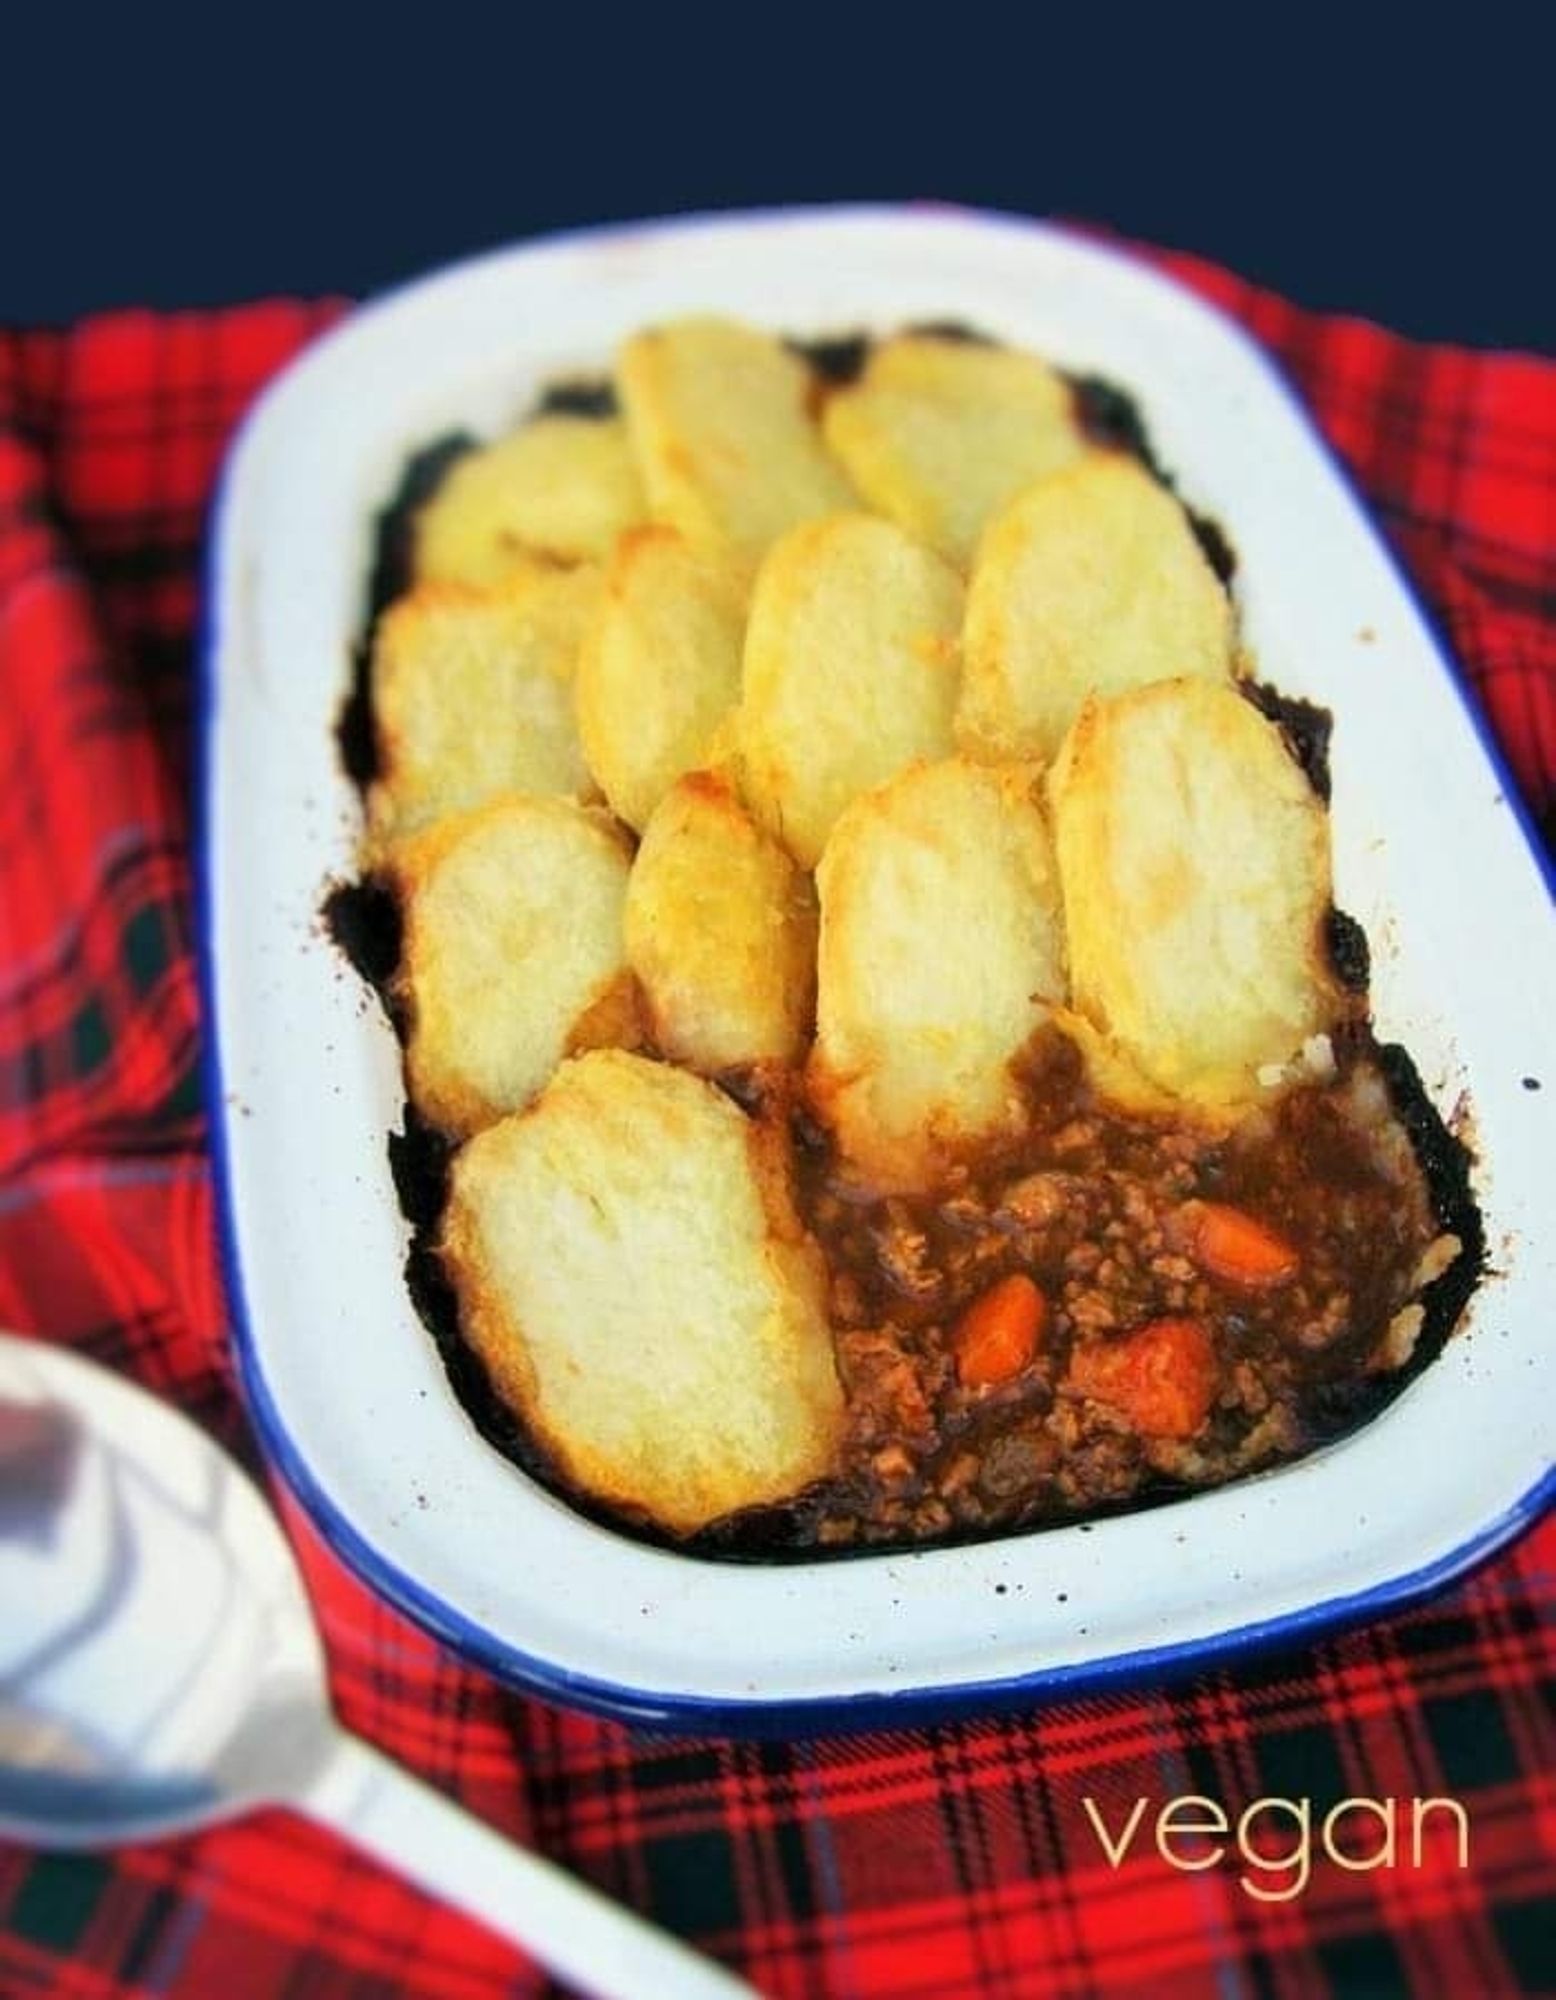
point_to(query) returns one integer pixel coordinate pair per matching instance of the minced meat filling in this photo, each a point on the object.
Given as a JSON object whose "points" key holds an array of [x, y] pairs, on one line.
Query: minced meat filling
{"points": [[1164, 1304]]}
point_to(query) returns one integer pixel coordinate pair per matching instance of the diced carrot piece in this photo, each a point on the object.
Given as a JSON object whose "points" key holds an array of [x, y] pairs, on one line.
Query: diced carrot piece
{"points": [[997, 1335], [1230, 1244], [1162, 1377]]}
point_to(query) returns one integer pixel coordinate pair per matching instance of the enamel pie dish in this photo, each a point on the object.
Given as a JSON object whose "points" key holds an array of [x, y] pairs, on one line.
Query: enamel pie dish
{"points": [[345, 1386]]}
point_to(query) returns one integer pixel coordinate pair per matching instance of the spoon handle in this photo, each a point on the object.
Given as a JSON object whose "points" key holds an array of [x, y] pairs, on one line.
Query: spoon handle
{"points": [[570, 1927]]}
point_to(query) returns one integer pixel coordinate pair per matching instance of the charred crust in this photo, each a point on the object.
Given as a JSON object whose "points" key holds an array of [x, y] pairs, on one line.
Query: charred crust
{"points": [[395, 526], [765, 1091], [421, 1161], [584, 396], [437, 1307], [1305, 729], [1344, 1404], [420, 1157], [835, 359], [426, 1158], [954, 331], [356, 735], [364, 921], [394, 531], [1446, 1163], [1215, 545], [1350, 956], [1110, 417]]}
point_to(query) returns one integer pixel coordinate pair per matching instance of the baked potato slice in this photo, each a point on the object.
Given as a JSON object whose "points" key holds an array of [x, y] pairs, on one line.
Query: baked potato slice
{"points": [[473, 696], [512, 954], [851, 671], [558, 490], [721, 932], [721, 424], [941, 955], [660, 669], [939, 433], [1089, 582], [1194, 859], [632, 1275]]}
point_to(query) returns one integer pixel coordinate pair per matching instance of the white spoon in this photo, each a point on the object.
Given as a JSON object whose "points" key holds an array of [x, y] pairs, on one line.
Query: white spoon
{"points": [[160, 1669]]}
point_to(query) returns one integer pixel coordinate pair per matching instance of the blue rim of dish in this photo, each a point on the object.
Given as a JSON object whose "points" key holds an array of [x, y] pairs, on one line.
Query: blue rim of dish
{"points": [[807, 1715]]}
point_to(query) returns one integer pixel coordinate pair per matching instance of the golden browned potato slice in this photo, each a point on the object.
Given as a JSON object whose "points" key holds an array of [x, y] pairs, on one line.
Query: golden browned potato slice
{"points": [[1194, 858], [721, 423], [940, 434], [660, 669], [630, 1271], [512, 953], [473, 695], [851, 671], [1089, 582], [559, 489], [940, 956], [721, 932]]}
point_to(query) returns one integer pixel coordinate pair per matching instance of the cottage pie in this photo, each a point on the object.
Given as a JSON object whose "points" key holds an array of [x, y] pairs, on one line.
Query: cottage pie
{"points": [[883, 1059]]}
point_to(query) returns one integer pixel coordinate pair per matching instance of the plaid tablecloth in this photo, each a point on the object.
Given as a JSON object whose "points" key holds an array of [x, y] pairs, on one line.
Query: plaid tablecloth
{"points": [[950, 1861]]}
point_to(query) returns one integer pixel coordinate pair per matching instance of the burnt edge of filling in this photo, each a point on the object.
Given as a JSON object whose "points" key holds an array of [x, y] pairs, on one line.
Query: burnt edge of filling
{"points": [[1350, 955], [394, 526], [1340, 1407], [366, 923], [355, 735], [1305, 729], [578, 396], [363, 919], [956, 332], [1111, 417], [834, 359], [388, 577]]}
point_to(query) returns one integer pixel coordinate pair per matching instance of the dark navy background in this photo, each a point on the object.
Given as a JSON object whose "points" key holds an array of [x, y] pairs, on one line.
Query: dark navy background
{"points": [[1400, 169]]}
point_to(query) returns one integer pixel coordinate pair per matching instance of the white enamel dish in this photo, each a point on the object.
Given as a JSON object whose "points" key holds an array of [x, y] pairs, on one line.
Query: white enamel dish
{"points": [[345, 1385]]}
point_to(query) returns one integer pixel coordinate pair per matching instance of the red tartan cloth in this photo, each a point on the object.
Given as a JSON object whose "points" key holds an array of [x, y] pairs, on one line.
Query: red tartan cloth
{"points": [[952, 1861]]}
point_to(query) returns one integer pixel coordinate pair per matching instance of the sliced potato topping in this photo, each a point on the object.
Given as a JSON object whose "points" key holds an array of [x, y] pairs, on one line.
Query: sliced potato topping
{"points": [[1090, 582], [721, 932], [558, 490], [851, 671], [512, 956], [939, 434], [635, 1281], [941, 954], [1194, 857], [473, 695], [660, 670], [721, 423]]}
